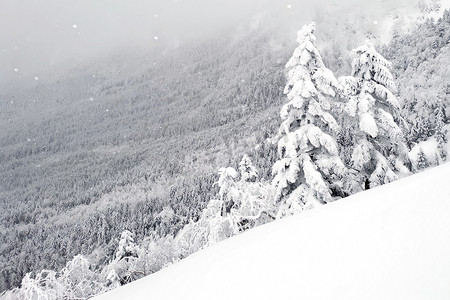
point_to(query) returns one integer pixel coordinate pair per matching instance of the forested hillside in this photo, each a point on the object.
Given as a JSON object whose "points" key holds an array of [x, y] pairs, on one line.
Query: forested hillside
{"points": [[114, 144], [422, 71]]}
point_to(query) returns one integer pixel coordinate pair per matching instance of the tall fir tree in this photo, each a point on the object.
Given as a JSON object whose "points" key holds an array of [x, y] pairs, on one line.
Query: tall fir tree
{"points": [[422, 162], [247, 170], [440, 133], [127, 247], [379, 153], [309, 170]]}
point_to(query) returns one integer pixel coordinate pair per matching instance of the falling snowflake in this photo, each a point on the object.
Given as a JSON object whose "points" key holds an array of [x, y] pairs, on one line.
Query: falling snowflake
{"points": [[375, 22], [74, 26], [155, 38], [156, 16], [36, 78], [16, 70], [91, 99], [289, 6]]}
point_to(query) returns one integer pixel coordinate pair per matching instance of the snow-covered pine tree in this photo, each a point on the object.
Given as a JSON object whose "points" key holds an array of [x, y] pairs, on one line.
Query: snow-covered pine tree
{"points": [[112, 280], [422, 162], [126, 248], [127, 264], [245, 203], [227, 182], [440, 133], [247, 170], [379, 152], [309, 170]]}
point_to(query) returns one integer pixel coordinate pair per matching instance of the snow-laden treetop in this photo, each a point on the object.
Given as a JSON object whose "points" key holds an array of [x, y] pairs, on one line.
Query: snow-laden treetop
{"points": [[369, 64]]}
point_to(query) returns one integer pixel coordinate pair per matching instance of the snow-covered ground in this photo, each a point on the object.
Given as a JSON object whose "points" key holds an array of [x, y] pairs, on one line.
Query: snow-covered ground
{"points": [[392, 242]]}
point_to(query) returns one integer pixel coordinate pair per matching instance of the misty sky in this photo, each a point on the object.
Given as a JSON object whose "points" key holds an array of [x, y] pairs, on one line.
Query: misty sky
{"points": [[38, 35]]}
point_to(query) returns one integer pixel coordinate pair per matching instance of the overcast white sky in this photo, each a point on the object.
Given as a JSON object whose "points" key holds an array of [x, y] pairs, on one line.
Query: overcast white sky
{"points": [[37, 35]]}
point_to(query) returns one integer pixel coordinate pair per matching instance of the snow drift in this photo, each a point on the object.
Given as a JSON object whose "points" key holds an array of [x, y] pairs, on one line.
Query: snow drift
{"points": [[391, 242]]}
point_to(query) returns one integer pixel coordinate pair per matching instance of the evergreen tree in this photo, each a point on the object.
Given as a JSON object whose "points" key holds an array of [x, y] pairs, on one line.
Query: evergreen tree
{"points": [[379, 150], [112, 280], [227, 182], [422, 162], [440, 133], [247, 170], [245, 203], [309, 170], [127, 263], [126, 248]]}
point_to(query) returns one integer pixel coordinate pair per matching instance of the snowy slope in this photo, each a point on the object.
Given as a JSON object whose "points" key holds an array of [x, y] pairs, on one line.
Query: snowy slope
{"points": [[392, 242]]}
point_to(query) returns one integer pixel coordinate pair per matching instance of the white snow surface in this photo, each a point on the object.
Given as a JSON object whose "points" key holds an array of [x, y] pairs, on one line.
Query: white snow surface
{"points": [[391, 242]]}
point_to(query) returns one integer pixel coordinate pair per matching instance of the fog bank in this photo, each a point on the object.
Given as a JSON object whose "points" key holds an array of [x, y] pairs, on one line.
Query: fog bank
{"points": [[38, 36]]}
